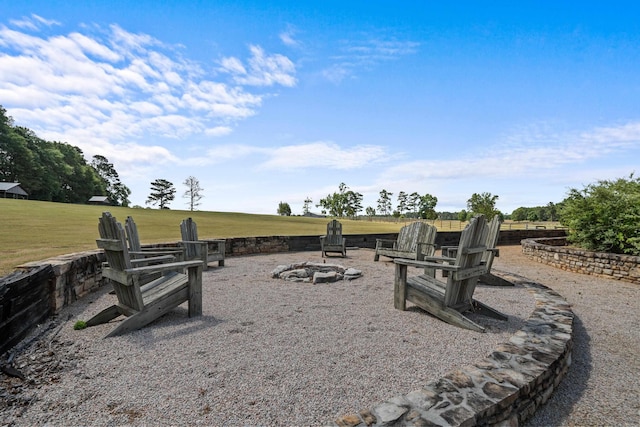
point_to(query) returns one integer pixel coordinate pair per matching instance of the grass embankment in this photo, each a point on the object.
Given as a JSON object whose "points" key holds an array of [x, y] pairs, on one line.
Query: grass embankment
{"points": [[33, 230]]}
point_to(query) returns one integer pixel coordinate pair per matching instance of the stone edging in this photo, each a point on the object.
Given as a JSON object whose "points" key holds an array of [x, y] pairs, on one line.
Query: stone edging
{"points": [[504, 388], [554, 252]]}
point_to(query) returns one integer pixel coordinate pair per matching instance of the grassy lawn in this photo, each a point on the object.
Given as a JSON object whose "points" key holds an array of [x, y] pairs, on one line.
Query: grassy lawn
{"points": [[31, 230]]}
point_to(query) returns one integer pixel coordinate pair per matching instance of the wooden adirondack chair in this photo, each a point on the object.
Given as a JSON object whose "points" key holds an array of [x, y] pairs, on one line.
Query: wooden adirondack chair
{"points": [[449, 300], [207, 251], [136, 251], [415, 241], [333, 241], [493, 234], [108, 229], [142, 301]]}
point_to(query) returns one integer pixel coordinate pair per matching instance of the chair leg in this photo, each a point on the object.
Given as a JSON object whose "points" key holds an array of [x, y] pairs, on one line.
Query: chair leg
{"points": [[485, 310], [104, 316], [400, 288]]}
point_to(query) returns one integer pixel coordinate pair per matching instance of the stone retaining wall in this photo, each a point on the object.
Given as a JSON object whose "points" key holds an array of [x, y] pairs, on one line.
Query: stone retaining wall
{"points": [[80, 273], [505, 388], [554, 252]]}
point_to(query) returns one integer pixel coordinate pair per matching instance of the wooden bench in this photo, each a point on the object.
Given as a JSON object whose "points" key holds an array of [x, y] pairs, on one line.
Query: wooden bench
{"points": [[207, 251], [448, 300], [415, 241], [333, 240], [143, 301]]}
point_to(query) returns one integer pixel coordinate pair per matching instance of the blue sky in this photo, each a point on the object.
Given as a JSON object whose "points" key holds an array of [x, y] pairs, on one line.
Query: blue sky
{"points": [[269, 101]]}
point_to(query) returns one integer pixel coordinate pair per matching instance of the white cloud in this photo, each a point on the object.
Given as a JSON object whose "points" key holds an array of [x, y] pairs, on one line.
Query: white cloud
{"points": [[324, 155], [288, 37], [355, 55], [102, 88], [525, 155], [34, 22], [223, 153], [262, 70]]}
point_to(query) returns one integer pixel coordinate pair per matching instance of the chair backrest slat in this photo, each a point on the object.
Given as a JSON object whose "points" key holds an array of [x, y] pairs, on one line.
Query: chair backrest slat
{"points": [[471, 250], [334, 233]]}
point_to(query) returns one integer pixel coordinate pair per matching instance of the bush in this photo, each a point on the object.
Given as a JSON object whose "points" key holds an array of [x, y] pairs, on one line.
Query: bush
{"points": [[604, 217], [80, 324]]}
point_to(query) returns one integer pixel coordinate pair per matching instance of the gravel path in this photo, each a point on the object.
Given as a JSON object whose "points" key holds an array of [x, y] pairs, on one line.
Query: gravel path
{"points": [[602, 387], [270, 352]]}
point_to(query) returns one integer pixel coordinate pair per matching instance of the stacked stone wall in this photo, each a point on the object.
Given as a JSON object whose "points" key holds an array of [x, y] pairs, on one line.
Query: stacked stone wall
{"points": [[554, 252], [505, 388]]}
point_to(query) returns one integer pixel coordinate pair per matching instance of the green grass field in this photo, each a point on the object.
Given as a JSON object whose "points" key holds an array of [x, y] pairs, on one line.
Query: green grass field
{"points": [[33, 230]]}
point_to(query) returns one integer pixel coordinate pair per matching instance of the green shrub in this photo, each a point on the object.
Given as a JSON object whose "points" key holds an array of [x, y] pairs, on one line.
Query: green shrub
{"points": [[80, 324], [604, 217]]}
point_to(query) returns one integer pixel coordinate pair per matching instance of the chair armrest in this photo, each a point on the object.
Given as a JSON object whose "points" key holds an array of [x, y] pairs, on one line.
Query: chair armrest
{"points": [[194, 243], [429, 264], [163, 267], [213, 240], [385, 243], [147, 260]]}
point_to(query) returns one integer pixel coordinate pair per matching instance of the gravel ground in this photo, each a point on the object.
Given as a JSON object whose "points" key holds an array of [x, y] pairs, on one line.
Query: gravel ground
{"points": [[602, 387], [270, 352]]}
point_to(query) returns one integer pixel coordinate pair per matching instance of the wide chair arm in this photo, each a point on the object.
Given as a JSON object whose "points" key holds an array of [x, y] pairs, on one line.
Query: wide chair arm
{"points": [[385, 243], [155, 259], [159, 268]]}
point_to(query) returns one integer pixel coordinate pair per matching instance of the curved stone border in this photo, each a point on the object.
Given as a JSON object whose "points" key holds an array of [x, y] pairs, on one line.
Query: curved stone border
{"points": [[554, 252], [504, 388]]}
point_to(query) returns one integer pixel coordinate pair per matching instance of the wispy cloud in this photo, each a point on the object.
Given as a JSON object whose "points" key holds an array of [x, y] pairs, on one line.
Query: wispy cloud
{"points": [[101, 88], [262, 69], [33, 22], [324, 155], [355, 55], [525, 154], [321, 154], [288, 37]]}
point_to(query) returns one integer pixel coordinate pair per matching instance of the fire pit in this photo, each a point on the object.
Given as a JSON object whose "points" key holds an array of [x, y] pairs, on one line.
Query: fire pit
{"points": [[313, 272]]}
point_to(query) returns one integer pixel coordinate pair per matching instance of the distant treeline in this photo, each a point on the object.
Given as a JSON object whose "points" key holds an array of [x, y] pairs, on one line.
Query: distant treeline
{"points": [[54, 171]]}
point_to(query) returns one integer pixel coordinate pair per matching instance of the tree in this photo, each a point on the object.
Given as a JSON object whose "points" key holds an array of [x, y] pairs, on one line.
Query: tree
{"points": [[384, 202], [427, 207], [50, 171], [307, 204], [483, 204], [117, 192], [371, 212], [605, 216], [413, 203], [192, 192], [162, 192], [463, 215], [284, 209], [402, 202], [343, 203]]}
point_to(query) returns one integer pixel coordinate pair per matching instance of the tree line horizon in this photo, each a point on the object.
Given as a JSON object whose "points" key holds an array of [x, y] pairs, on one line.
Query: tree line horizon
{"points": [[346, 203]]}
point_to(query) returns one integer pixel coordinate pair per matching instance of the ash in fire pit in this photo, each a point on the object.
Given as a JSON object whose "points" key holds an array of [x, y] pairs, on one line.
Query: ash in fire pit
{"points": [[313, 272]]}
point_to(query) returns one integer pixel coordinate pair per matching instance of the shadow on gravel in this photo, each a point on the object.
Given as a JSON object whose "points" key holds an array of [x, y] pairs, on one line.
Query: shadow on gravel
{"points": [[572, 387]]}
